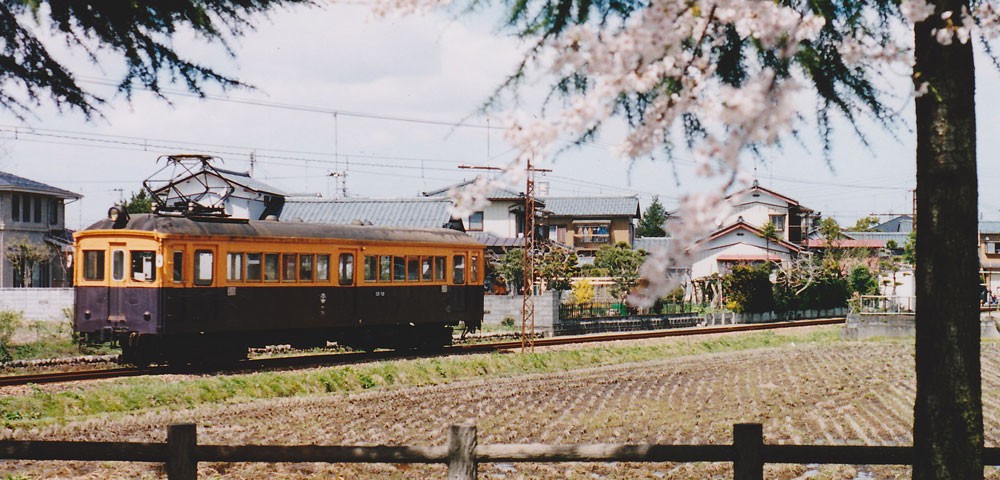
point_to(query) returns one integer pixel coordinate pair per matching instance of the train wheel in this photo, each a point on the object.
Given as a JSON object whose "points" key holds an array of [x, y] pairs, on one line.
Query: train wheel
{"points": [[135, 350]]}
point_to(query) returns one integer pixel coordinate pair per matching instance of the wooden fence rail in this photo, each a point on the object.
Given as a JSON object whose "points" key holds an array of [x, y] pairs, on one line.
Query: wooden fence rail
{"points": [[462, 454]]}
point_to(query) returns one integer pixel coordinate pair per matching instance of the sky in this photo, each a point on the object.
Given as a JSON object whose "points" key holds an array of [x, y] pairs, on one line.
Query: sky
{"points": [[392, 106]]}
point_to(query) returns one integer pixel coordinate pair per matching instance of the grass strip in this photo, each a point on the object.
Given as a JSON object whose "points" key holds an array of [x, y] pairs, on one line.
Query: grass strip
{"points": [[39, 407]]}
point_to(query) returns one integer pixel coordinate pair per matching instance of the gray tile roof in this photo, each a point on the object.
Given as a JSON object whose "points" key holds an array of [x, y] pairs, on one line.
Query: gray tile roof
{"points": [[901, 224], [593, 206], [495, 194], [989, 226], [901, 238], [650, 244], [491, 240], [397, 212], [13, 183]]}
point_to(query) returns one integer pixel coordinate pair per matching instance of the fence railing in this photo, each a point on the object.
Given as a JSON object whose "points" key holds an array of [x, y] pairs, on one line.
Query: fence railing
{"points": [[748, 453], [878, 304]]}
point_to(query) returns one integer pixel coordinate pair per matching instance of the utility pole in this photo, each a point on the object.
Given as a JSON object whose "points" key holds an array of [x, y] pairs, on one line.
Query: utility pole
{"points": [[527, 291]]}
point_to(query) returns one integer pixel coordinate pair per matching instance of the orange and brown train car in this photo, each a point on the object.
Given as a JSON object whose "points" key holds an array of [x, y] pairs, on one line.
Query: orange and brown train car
{"points": [[177, 289]]}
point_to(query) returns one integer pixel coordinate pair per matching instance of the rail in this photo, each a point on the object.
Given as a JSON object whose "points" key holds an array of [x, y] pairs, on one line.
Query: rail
{"points": [[748, 453]]}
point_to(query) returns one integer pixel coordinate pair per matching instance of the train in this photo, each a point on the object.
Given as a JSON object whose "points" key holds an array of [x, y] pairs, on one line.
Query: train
{"points": [[175, 289]]}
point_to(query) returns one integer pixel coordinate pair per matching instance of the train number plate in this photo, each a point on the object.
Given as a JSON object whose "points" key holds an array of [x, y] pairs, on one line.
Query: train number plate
{"points": [[231, 291]]}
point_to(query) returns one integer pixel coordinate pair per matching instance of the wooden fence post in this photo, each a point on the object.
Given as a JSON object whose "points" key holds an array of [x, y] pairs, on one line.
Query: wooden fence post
{"points": [[181, 462], [462, 453], [748, 440]]}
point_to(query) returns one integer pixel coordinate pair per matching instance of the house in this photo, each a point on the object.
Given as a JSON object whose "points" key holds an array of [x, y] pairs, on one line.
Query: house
{"points": [[989, 254], [236, 193], [502, 218], [758, 205], [739, 243], [589, 223], [35, 213]]}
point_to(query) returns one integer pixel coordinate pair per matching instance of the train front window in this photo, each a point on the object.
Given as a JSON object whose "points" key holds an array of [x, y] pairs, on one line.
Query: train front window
{"points": [[440, 268], [178, 266], [347, 268], [413, 268], [234, 266], [322, 268], [271, 267], [288, 267], [385, 268], [305, 268], [399, 269], [474, 269], [459, 270], [93, 265], [143, 269], [371, 268], [118, 265], [204, 260], [253, 267], [426, 270]]}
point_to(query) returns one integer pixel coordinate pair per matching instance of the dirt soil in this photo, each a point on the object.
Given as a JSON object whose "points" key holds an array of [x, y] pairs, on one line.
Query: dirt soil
{"points": [[841, 393]]}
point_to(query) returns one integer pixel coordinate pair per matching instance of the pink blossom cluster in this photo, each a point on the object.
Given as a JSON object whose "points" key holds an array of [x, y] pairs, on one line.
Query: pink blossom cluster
{"points": [[664, 52]]}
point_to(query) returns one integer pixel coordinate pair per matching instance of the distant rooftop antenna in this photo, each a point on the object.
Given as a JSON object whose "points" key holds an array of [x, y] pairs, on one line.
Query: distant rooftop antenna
{"points": [[181, 186]]}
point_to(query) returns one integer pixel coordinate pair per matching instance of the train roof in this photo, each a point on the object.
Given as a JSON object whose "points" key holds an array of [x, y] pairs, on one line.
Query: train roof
{"points": [[176, 225]]}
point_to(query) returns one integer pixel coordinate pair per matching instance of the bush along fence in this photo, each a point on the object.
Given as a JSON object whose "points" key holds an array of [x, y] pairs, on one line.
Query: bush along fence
{"points": [[748, 453], [618, 317]]}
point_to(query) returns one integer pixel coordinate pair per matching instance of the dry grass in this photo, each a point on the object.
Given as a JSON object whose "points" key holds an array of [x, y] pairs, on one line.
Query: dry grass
{"points": [[823, 393]]}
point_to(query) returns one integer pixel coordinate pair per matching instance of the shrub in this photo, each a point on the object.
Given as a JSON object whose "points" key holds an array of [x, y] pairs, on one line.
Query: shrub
{"points": [[748, 289], [9, 323], [583, 292]]}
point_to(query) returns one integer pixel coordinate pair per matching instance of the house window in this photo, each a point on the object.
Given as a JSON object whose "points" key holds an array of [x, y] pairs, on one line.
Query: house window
{"points": [[476, 222], [15, 207], [592, 234], [38, 209], [53, 211], [993, 248], [778, 221], [25, 208]]}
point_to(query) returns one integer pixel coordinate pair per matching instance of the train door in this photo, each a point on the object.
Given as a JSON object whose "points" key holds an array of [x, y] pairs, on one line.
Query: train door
{"points": [[204, 280], [343, 310], [117, 284]]}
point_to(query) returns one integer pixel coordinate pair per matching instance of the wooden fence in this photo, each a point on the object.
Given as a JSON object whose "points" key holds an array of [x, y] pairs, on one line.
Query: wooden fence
{"points": [[462, 454]]}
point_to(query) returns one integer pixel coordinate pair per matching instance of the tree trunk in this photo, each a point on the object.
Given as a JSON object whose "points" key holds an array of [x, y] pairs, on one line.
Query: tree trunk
{"points": [[948, 419]]}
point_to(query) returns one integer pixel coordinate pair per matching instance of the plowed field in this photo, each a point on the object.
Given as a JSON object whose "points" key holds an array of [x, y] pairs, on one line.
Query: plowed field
{"points": [[834, 393]]}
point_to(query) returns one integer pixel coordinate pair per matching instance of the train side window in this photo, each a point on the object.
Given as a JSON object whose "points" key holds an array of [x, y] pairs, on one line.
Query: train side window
{"points": [[93, 265], [322, 268], [474, 269], [234, 266], [178, 266], [413, 269], [253, 267], [305, 268], [426, 269], [347, 268], [288, 267], [399, 269], [204, 260], [118, 265], [385, 268], [371, 268], [143, 266], [271, 267], [440, 268], [459, 269]]}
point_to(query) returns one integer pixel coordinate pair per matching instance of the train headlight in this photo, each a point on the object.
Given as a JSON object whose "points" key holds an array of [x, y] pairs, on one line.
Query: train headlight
{"points": [[118, 216]]}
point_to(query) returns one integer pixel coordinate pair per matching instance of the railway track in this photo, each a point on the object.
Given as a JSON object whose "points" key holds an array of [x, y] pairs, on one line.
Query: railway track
{"points": [[355, 357]]}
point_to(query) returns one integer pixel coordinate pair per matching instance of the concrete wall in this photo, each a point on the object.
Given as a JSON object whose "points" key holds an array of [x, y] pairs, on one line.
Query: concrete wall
{"points": [[498, 307], [37, 303]]}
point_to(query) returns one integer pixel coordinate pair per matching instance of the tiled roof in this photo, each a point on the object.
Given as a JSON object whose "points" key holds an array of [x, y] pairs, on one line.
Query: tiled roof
{"points": [[899, 237], [10, 182], [845, 243], [409, 212], [495, 194], [650, 244], [900, 224], [593, 206], [491, 240], [989, 226]]}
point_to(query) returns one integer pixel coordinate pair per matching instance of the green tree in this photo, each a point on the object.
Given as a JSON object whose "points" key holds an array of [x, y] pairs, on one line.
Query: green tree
{"points": [[24, 255], [510, 267], [555, 266], [622, 264], [651, 223], [864, 224], [862, 281], [770, 233], [748, 288], [830, 230], [141, 34], [140, 202], [910, 249]]}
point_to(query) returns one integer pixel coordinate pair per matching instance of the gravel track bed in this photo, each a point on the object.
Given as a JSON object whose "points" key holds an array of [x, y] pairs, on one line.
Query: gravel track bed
{"points": [[841, 393]]}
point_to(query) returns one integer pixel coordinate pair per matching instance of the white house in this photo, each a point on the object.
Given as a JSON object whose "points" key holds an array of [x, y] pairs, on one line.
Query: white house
{"points": [[236, 193], [739, 243]]}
